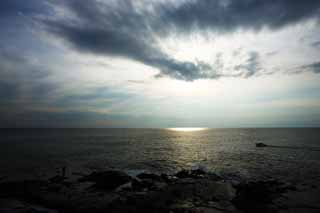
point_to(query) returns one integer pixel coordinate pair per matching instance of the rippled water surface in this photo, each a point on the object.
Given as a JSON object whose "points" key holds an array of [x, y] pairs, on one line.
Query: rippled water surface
{"points": [[38, 152]]}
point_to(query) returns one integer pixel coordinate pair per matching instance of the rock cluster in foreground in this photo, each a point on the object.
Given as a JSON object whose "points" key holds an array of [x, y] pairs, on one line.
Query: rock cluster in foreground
{"points": [[192, 191]]}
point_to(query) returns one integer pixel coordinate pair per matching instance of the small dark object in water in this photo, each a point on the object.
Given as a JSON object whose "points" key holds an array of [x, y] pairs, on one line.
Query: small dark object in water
{"points": [[261, 145]]}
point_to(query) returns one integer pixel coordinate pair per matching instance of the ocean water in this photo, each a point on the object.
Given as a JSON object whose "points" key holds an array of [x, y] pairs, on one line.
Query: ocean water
{"points": [[28, 153]]}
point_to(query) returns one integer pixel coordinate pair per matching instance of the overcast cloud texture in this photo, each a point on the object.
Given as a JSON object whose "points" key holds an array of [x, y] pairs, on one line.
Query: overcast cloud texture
{"points": [[116, 63]]}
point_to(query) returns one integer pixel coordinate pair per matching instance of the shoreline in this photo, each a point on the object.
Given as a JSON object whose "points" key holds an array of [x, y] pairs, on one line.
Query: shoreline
{"points": [[185, 191]]}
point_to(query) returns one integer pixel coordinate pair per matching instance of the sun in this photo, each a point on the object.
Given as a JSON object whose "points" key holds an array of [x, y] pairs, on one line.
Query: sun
{"points": [[187, 129]]}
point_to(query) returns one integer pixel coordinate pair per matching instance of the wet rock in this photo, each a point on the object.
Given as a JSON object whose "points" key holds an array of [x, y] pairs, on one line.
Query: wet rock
{"points": [[15, 206], [169, 178], [186, 181], [197, 173], [147, 184], [125, 187], [204, 210], [258, 196], [158, 186], [150, 176], [107, 180], [141, 185], [182, 206], [187, 191]]}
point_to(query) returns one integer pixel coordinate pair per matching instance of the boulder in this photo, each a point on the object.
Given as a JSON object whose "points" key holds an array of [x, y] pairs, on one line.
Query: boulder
{"points": [[258, 196], [197, 173], [15, 206], [150, 176], [107, 180]]}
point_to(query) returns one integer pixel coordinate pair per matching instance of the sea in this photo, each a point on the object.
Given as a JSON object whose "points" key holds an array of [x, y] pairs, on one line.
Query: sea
{"points": [[293, 154]]}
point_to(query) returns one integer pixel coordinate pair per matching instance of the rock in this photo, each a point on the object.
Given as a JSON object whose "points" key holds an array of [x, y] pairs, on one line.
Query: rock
{"points": [[158, 186], [124, 187], [258, 196], [147, 184], [204, 210], [150, 176], [261, 145], [189, 191], [184, 181], [169, 178], [215, 191], [182, 206], [107, 180], [142, 185], [197, 173], [15, 206], [224, 191], [25, 188], [57, 179]]}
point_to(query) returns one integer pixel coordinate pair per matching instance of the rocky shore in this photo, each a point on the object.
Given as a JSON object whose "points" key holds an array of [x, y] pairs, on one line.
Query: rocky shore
{"points": [[187, 191]]}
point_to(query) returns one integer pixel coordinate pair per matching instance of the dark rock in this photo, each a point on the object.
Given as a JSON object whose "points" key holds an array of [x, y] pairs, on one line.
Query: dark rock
{"points": [[150, 176], [183, 174], [258, 196], [57, 179], [107, 180], [2, 178], [139, 185], [15, 206], [25, 188], [197, 173], [187, 191], [147, 185], [261, 145], [125, 187]]}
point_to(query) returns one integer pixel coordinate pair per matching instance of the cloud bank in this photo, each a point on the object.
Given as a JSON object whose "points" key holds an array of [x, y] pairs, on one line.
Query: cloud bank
{"points": [[131, 30]]}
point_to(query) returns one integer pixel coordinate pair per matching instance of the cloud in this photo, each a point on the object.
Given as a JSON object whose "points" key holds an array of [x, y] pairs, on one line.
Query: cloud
{"points": [[314, 67], [272, 53], [122, 33], [98, 97], [251, 66], [315, 44], [10, 8], [125, 29], [230, 15], [22, 81], [136, 82]]}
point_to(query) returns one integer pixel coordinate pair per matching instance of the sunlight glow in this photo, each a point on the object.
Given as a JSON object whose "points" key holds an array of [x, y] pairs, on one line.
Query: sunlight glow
{"points": [[187, 129]]}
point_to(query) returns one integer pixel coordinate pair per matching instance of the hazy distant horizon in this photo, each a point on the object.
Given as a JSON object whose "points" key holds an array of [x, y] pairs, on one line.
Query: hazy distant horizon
{"points": [[168, 128]]}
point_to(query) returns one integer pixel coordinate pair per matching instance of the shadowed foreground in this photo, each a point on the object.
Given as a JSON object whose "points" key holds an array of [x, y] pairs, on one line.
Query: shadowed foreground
{"points": [[192, 191]]}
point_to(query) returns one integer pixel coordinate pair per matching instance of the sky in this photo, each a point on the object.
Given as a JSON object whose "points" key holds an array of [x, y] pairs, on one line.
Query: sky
{"points": [[159, 63]]}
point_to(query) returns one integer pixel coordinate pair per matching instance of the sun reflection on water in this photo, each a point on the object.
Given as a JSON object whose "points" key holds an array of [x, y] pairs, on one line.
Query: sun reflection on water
{"points": [[187, 129]]}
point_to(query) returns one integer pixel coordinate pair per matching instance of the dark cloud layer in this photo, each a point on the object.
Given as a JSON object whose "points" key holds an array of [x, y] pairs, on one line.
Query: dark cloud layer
{"points": [[225, 15], [315, 44], [22, 82], [314, 67], [122, 29], [11, 8]]}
